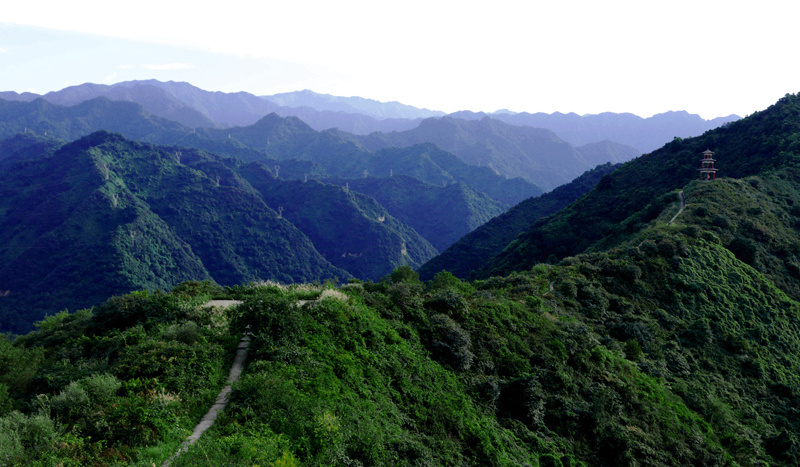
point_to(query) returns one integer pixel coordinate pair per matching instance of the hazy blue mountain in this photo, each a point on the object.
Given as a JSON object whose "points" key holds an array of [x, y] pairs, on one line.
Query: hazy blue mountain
{"points": [[607, 151], [644, 134], [194, 107], [156, 100], [355, 123], [308, 152], [536, 154], [227, 109], [15, 96], [340, 155], [354, 105]]}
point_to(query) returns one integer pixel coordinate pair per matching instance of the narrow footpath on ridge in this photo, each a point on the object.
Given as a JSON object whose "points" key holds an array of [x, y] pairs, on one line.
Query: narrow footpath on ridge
{"points": [[683, 205], [222, 398], [236, 371]]}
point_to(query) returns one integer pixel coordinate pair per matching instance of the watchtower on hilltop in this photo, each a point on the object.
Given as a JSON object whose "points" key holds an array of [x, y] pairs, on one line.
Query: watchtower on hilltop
{"points": [[707, 170]]}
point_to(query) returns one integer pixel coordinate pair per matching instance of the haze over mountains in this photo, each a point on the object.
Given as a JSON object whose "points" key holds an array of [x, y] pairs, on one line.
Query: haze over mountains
{"points": [[182, 102], [355, 205]]}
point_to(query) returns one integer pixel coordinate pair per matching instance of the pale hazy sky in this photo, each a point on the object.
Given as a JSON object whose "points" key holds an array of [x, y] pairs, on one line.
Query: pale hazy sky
{"points": [[712, 58]]}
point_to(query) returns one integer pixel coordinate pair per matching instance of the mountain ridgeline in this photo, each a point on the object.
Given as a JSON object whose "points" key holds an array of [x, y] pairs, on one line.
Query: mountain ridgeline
{"points": [[536, 154], [479, 246], [271, 139], [653, 321], [194, 107], [656, 334], [626, 200]]}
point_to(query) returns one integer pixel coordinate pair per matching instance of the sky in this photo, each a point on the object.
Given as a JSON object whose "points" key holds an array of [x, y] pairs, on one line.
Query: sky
{"points": [[713, 58]]}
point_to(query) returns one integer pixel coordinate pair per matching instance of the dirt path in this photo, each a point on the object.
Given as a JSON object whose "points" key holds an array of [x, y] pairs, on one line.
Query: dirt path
{"points": [[222, 398], [683, 205]]}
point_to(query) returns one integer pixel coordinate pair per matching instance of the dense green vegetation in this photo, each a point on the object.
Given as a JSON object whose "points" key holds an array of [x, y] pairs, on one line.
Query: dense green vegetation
{"points": [[104, 215], [351, 230], [441, 214], [665, 350], [623, 331], [625, 200], [476, 248]]}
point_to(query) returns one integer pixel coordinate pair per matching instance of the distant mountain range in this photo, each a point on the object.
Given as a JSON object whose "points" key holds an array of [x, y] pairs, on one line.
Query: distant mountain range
{"points": [[352, 105], [644, 134], [536, 154], [271, 139], [194, 107]]}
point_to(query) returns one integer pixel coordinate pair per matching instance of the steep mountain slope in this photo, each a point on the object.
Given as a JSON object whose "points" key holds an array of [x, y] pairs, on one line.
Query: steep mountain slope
{"points": [[105, 215], [476, 248], [440, 214], [626, 200], [25, 146], [70, 123], [338, 155], [271, 138], [664, 351], [533, 153], [644, 134], [352, 231]]}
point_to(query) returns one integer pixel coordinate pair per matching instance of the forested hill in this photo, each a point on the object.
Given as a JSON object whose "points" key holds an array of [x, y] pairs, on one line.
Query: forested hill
{"points": [[304, 151], [476, 248], [441, 214], [624, 201], [652, 343]]}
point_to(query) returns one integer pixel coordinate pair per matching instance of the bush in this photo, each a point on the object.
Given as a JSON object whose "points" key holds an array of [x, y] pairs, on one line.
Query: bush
{"points": [[136, 308], [450, 302], [24, 438], [188, 332], [451, 344]]}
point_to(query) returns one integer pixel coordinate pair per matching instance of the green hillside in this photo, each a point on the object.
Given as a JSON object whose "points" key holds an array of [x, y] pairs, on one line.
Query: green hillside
{"points": [[351, 230], [479, 246], [666, 350], [104, 215], [273, 140], [440, 214], [626, 200], [664, 330]]}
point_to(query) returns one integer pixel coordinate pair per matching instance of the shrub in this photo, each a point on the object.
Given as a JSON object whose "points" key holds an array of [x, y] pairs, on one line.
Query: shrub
{"points": [[136, 308], [24, 438], [450, 344], [449, 302], [187, 332]]}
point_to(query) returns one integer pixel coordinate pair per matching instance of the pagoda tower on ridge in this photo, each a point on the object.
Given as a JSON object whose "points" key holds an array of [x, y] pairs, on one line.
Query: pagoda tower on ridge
{"points": [[707, 170]]}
